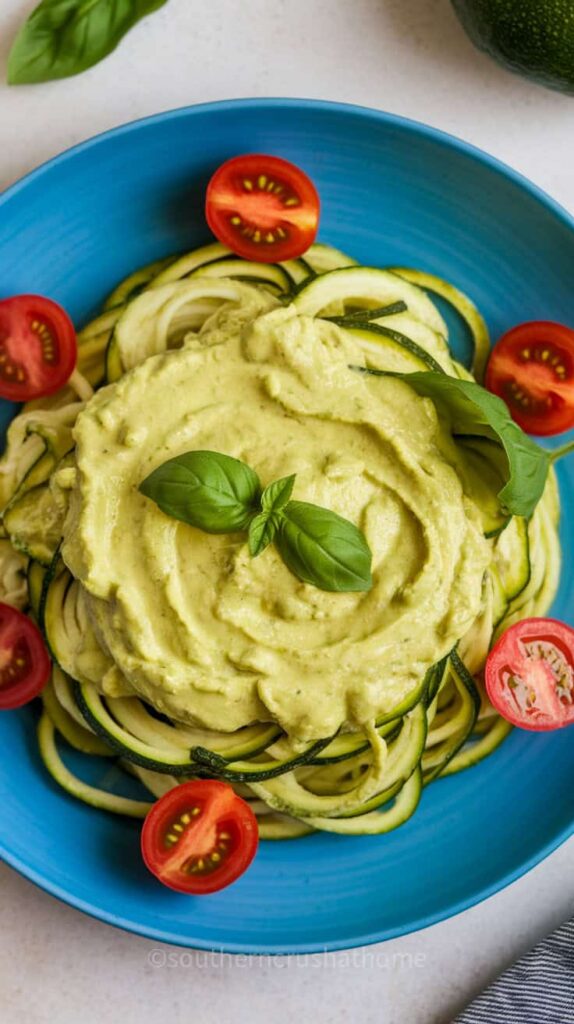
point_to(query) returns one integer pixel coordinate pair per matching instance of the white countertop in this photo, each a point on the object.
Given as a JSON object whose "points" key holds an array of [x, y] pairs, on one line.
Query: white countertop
{"points": [[409, 57]]}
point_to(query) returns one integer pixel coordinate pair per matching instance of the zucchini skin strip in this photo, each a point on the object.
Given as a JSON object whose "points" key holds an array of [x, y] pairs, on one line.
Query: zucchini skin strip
{"points": [[74, 786]]}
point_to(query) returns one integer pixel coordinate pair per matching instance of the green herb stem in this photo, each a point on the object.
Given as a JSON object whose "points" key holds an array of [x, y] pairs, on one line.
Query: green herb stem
{"points": [[560, 453]]}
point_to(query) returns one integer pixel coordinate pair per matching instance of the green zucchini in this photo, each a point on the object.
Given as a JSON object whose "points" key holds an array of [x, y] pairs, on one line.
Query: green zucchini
{"points": [[476, 751], [132, 715], [69, 635], [463, 306], [136, 282], [247, 771], [269, 275], [500, 602], [35, 442], [34, 522], [21, 453], [172, 760], [76, 735], [158, 783], [298, 270], [102, 324], [92, 360], [13, 572], [74, 786], [350, 744], [552, 559], [53, 429], [280, 826], [347, 745], [288, 794], [482, 469], [184, 265], [159, 318], [55, 588], [376, 822], [362, 317], [397, 352], [324, 258], [366, 287], [435, 759], [512, 557], [36, 574], [404, 759], [435, 679]]}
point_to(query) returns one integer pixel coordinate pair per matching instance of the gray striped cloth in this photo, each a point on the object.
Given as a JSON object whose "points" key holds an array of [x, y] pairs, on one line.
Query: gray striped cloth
{"points": [[538, 989]]}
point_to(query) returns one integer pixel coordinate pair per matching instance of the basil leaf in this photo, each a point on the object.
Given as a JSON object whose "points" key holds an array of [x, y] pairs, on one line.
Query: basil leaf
{"points": [[322, 548], [471, 410], [264, 526], [262, 530], [65, 37], [214, 492], [277, 494]]}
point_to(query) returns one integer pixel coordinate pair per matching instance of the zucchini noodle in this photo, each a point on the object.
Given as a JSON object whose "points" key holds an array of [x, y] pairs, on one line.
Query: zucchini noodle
{"points": [[363, 780]]}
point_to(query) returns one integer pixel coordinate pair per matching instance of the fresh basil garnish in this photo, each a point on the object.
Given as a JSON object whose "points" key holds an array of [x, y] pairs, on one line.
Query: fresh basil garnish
{"points": [[322, 548], [211, 491], [472, 411], [219, 494], [277, 494], [262, 530], [64, 37], [264, 526]]}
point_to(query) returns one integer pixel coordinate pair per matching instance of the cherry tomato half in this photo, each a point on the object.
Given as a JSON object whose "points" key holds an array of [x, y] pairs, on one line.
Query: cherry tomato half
{"points": [[529, 674], [199, 837], [532, 368], [38, 347], [263, 208], [24, 661]]}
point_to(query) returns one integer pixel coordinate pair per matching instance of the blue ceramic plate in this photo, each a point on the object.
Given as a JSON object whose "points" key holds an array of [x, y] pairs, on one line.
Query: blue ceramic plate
{"points": [[393, 192]]}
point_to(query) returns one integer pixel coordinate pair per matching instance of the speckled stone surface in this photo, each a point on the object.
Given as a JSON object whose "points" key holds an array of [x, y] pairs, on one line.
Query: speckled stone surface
{"points": [[412, 58]]}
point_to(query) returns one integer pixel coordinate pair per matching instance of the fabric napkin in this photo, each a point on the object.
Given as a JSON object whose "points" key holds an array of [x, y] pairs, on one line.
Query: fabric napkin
{"points": [[538, 989]]}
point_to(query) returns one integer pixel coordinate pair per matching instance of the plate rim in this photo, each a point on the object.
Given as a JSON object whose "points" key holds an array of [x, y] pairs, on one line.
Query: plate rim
{"points": [[448, 141]]}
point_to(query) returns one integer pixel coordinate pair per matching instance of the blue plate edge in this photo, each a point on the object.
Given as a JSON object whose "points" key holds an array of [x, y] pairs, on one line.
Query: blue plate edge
{"points": [[436, 134], [237, 948]]}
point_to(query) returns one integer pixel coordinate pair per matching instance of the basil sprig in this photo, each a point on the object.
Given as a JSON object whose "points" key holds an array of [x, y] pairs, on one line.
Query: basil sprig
{"points": [[219, 494], [64, 37], [317, 544], [209, 490], [471, 411], [264, 526]]}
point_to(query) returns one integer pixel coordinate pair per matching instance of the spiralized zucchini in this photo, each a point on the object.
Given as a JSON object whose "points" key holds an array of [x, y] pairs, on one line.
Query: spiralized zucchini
{"points": [[362, 781]]}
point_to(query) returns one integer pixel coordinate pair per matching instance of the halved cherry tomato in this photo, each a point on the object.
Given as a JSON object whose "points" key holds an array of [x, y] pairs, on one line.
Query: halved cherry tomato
{"points": [[532, 368], [24, 661], [38, 347], [529, 674], [199, 837], [263, 208]]}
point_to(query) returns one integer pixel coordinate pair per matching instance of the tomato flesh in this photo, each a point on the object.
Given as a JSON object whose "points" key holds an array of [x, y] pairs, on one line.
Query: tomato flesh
{"points": [[24, 661], [263, 208], [199, 837], [38, 348], [532, 368], [529, 674]]}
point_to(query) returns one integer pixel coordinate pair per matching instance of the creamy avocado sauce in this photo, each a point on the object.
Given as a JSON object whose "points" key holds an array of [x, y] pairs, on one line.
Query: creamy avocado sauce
{"points": [[193, 624]]}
